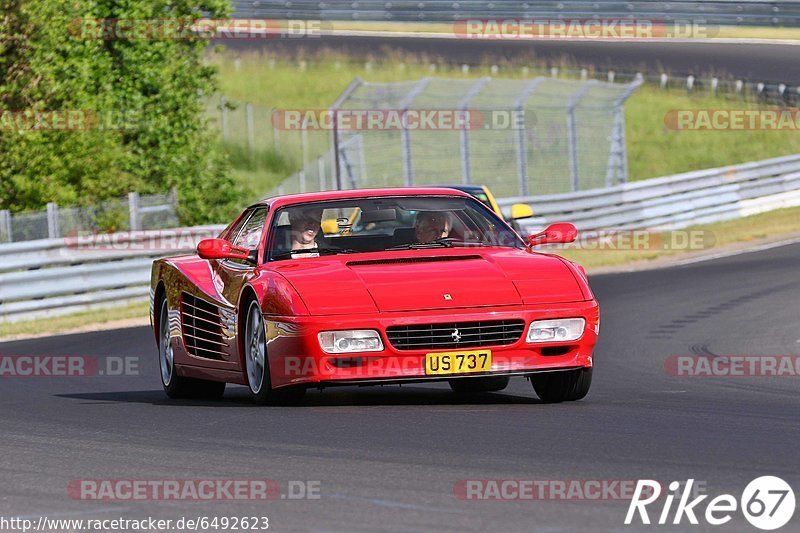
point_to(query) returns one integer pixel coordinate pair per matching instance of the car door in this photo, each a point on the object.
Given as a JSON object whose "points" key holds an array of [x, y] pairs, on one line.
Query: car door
{"points": [[228, 277]]}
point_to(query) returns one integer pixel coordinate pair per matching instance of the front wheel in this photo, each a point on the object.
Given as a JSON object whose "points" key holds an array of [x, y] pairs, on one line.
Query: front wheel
{"points": [[256, 363], [569, 385], [174, 385]]}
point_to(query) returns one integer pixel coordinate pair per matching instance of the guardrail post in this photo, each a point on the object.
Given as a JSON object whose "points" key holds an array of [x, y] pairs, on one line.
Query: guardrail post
{"points": [[133, 211], [53, 231], [5, 226]]}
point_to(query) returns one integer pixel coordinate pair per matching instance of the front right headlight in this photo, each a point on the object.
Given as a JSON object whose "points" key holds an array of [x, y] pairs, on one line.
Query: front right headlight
{"points": [[556, 330], [350, 341]]}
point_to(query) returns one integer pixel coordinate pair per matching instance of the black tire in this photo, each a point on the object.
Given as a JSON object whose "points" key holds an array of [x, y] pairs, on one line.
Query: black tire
{"points": [[176, 386], [255, 362], [481, 384], [556, 387]]}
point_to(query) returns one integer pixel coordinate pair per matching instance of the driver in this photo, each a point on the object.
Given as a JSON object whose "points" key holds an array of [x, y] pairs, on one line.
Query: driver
{"points": [[432, 225], [305, 226]]}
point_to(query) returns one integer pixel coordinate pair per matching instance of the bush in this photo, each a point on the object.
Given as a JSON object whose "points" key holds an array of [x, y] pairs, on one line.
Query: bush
{"points": [[143, 125]]}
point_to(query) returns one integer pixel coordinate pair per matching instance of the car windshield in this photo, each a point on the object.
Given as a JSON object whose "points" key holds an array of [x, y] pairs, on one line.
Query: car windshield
{"points": [[386, 223]]}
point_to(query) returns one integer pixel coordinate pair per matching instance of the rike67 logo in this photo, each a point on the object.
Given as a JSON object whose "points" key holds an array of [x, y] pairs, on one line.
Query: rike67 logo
{"points": [[767, 502]]}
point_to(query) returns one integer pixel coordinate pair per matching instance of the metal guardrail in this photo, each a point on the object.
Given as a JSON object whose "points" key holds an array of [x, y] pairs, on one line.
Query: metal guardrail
{"points": [[57, 276], [752, 12], [675, 202]]}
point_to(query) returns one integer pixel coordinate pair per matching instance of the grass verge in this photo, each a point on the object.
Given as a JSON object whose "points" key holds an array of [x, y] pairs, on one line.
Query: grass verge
{"points": [[74, 322], [772, 226]]}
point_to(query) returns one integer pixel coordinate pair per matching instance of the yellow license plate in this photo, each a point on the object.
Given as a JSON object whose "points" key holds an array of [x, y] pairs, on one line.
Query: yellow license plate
{"points": [[458, 362]]}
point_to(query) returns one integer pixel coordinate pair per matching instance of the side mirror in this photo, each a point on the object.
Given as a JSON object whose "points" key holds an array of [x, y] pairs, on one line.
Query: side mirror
{"points": [[560, 232], [519, 211], [221, 249]]}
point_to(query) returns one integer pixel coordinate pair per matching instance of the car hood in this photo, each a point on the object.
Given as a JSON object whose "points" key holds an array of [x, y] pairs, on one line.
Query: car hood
{"points": [[421, 280]]}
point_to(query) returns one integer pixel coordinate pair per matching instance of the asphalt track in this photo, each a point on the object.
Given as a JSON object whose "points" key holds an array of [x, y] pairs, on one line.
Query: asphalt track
{"points": [[388, 458], [769, 63]]}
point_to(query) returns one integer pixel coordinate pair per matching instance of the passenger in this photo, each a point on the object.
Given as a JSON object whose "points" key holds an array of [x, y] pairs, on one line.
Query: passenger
{"points": [[432, 225]]}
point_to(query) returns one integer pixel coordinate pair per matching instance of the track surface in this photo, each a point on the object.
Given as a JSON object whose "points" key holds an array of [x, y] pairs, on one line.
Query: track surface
{"points": [[388, 458], [755, 62]]}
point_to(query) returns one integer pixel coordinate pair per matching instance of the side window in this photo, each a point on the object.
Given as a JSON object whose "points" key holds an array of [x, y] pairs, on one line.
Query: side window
{"points": [[248, 234]]}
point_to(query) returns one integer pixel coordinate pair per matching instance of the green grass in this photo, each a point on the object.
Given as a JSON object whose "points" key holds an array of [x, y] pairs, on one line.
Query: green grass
{"points": [[272, 82], [66, 323]]}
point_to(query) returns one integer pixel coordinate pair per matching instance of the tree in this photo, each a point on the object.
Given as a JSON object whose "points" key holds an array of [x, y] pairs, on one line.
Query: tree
{"points": [[90, 109]]}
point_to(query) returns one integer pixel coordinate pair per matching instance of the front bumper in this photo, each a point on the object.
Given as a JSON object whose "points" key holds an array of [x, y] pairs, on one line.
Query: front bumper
{"points": [[295, 357]]}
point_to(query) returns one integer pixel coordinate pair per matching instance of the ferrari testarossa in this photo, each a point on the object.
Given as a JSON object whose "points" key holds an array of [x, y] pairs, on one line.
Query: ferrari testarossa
{"points": [[409, 285]]}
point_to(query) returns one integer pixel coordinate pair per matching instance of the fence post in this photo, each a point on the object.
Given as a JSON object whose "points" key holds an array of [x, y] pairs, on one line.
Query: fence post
{"points": [[522, 150], [405, 134], [5, 224], [572, 134], [133, 211], [466, 169], [53, 231], [337, 174], [321, 169], [223, 106], [276, 142], [251, 142]]}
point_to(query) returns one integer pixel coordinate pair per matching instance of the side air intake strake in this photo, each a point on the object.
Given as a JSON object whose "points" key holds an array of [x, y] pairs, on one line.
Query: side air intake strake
{"points": [[202, 328], [403, 260]]}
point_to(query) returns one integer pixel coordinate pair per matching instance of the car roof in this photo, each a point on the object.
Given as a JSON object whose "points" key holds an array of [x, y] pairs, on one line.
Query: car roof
{"points": [[470, 188], [303, 198]]}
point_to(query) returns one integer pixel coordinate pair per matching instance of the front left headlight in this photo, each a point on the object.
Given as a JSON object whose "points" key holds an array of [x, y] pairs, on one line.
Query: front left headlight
{"points": [[556, 330], [351, 341]]}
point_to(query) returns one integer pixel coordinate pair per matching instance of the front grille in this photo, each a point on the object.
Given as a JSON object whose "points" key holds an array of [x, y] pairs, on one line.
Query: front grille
{"points": [[202, 328], [470, 334]]}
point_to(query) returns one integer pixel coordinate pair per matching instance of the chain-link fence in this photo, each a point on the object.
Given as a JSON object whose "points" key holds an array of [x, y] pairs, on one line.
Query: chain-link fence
{"points": [[520, 137], [136, 212]]}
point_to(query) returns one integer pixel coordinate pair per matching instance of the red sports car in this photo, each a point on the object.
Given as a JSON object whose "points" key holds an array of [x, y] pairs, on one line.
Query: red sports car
{"points": [[425, 284]]}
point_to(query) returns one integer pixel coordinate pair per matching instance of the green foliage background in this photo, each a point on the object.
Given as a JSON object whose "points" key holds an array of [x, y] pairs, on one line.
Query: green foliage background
{"points": [[47, 64]]}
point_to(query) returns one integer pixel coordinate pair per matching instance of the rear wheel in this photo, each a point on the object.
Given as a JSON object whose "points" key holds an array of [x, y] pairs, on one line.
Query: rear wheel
{"points": [[481, 384], [569, 385], [174, 385], [256, 363]]}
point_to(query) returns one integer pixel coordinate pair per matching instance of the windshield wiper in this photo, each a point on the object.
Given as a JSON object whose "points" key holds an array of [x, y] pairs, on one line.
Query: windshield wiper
{"points": [[321, 251]]}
